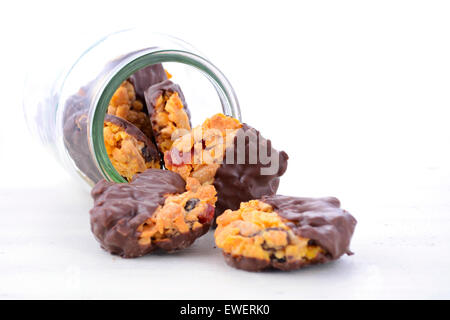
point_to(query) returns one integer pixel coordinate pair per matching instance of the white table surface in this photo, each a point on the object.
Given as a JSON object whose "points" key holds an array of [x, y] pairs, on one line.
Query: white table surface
{"points": [[357, 93], [47, 251]]}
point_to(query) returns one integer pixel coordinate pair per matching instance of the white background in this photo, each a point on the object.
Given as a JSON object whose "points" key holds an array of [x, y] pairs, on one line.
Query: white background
{"points": [[357, 92]]}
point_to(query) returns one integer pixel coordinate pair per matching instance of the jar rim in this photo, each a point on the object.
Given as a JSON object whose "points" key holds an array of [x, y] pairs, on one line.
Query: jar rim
{"points": [[122, 71]]}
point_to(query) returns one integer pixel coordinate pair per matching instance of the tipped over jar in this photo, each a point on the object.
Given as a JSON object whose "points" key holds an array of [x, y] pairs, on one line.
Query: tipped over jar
{"points": [[106, 87]]}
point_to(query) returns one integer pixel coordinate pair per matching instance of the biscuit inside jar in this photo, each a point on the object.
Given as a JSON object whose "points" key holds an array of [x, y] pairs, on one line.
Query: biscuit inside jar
{"points": [[168, 117], [201, 152], [180, 214], [125, 151], [124, 104], [256, 231]]}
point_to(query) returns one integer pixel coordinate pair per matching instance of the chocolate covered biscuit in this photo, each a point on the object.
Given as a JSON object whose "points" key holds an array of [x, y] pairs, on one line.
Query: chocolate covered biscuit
{"points": [[286, 233], [129, 149], [234, 157], [168, 113], [157, 209], [125, 105]]}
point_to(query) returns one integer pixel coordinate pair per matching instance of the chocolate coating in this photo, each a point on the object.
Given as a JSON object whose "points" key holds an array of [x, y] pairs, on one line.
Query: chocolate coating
{"points": [[120, 208], [183, 240], [149, 152], [318, 219], [236, 183], [76, 142], [147, 77], [254, 264], [155, 91]]}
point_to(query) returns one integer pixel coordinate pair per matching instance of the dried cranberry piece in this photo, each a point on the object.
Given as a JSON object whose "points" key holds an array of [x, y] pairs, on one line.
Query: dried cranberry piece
{"points": [[207, 216]]}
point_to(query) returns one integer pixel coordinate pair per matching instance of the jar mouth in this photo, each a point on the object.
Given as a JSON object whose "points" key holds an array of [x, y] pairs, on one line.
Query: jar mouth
{"points": [[123, 71]]}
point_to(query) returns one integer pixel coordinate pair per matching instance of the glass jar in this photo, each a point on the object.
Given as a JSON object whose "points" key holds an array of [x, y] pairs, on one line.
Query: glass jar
{"points": [[67, 113]]}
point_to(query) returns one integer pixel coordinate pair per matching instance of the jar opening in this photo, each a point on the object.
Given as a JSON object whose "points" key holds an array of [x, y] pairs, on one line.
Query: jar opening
{"points": [[129, 66]]}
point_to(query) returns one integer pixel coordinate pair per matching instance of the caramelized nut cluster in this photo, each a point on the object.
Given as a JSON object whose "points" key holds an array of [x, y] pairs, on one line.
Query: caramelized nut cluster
{"points": [[125, 151], [200, 153], [180, 214], [168, 117], [256, 231], [124, 104]]}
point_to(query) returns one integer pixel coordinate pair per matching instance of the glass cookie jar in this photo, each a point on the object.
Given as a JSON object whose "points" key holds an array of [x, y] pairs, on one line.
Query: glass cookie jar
{"points": [[67, 112]]}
